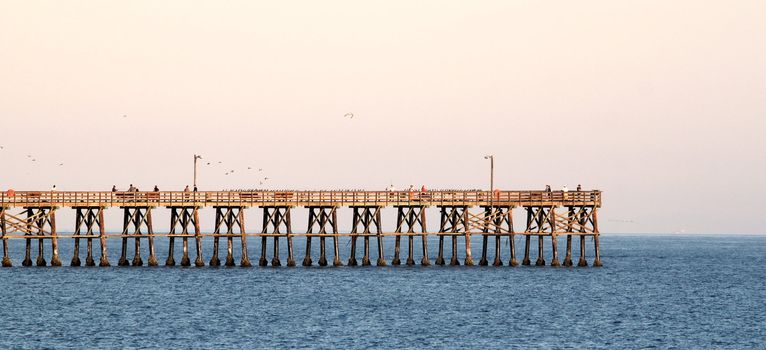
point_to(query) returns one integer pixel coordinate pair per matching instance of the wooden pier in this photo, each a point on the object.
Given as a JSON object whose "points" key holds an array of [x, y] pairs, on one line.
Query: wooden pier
{"points": [[31, 215]]}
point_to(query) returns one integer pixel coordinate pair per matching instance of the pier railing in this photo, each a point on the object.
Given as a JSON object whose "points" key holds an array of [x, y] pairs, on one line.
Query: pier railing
{"points": [[11, 199]]}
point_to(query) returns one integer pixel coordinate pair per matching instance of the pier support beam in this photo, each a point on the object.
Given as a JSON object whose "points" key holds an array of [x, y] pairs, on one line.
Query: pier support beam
{"points": [[182, 218], [497, 221], [596, 249], [569, 229], [4, 230], [410, 217], [454, 223], [366, 219], [276, 219], [230, 219], [89, 218], [135, 221], [41, 222], [540, 222], [321, 218]]}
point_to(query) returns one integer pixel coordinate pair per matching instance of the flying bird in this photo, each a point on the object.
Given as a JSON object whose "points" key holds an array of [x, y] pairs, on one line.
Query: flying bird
{"points": [[248, 168], [260, 169], [219, 162], [61, 164], [208, 163], [265, 178], [349, 115], [124, 115]]}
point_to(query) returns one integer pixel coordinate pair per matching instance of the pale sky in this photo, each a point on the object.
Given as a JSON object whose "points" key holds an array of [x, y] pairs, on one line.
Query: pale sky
{"points": [[660, 104]]}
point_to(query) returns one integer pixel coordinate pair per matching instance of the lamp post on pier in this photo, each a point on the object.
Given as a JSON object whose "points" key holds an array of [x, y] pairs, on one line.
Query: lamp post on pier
{"points": [[195, 169], [491, 180]]}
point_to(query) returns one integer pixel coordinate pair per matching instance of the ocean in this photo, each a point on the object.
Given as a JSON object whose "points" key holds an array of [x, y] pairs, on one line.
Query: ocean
{"points": [[653, 292]]}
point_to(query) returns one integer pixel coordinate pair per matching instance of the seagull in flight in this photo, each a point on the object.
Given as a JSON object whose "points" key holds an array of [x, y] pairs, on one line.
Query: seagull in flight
{"points": [[124, 115], [61, 164], [349, 115], [260, 169]]}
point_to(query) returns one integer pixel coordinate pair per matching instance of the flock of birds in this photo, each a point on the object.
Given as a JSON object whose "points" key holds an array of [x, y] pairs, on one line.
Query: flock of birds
{"points": [[30, 157], [261, 181], [232, 171]]}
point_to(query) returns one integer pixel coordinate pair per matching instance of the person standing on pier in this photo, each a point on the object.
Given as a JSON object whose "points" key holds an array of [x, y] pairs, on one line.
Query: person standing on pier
{"points": [[156, 189], [131, 188], [114, 188], [547, 188], [195, 188], [579, 188], [566, 191], [186, 189]]}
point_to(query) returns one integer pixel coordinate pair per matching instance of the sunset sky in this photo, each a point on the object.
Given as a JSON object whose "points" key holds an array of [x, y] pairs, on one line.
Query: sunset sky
{"points": [[660, 104]]}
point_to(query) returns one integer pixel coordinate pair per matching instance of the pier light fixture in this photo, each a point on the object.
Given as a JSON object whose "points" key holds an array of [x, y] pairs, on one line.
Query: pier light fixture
{"points": [[196, 157], [491, 178]]}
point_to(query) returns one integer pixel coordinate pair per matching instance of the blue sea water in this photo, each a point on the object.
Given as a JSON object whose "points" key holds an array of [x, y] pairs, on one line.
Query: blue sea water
{"points": [[653, 292]]}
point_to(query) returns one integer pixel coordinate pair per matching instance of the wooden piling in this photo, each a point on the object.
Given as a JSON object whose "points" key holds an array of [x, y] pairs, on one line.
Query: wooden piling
{"points": [[424, 238], [186, 220], [379, 231], [228, 221], [467, 234], [27, 261], [400, 218], [198, 261], [310, 230], [245, 258], [582, 262], [104, 260], [488, 215], [568, 257], [123, 261], [554, 249], [540, 245], [275, 257], [354, 234], [150, 231], [89, 261], [336, 259], [79, 219], [289, 234], [440, 255], [442, 230], [6, 259], [137, 261], [175, 218], [596, 249]]}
